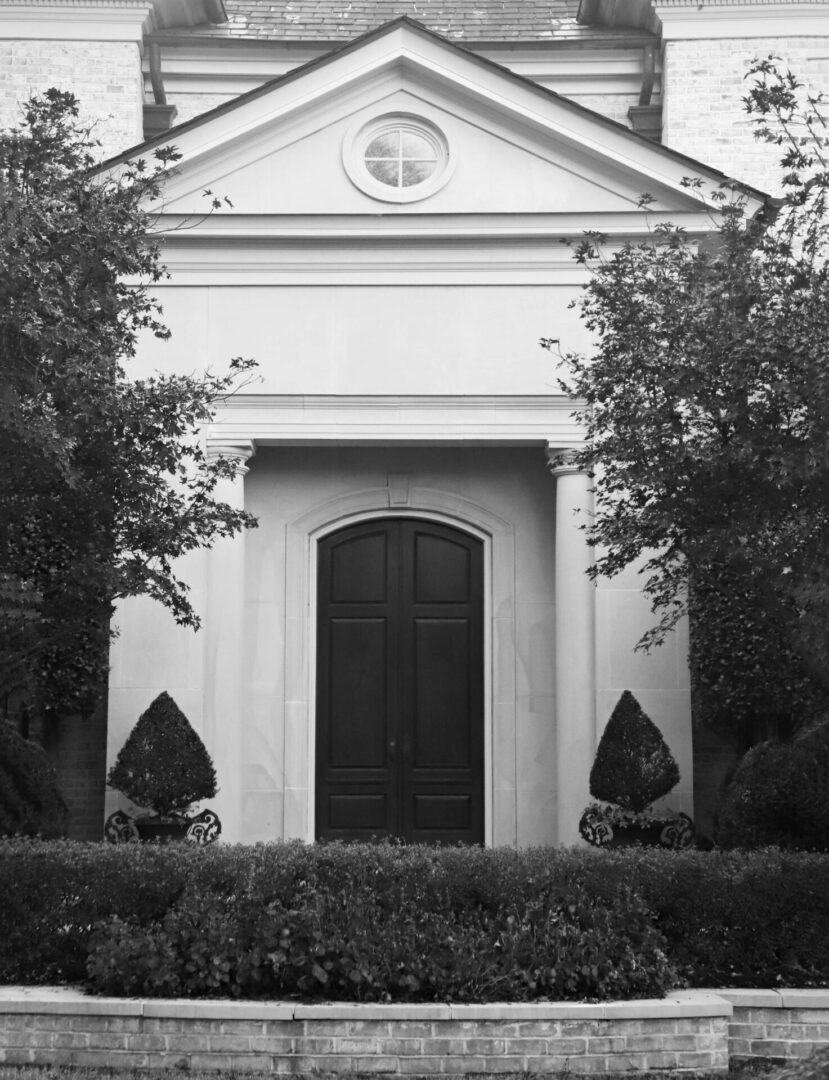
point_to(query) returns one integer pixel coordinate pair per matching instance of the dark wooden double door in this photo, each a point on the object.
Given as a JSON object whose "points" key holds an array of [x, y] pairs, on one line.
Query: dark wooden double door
{"points": [[399, 750]]}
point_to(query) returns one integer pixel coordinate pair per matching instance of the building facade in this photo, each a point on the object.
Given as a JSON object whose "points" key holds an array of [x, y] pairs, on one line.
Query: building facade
{"points": [[408, 644]]}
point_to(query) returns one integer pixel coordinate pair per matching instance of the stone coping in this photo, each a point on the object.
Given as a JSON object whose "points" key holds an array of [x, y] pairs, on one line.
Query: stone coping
{"points": [[677, 1004], [808, 998]]}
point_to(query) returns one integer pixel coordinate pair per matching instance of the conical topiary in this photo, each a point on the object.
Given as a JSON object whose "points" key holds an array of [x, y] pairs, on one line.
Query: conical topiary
{"points": [[30, 799], [633, 765], [163, 765]]}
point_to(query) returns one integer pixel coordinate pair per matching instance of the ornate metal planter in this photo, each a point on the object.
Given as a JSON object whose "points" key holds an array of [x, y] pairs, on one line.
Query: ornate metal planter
{"points": [[203, 828], [608, 828]]}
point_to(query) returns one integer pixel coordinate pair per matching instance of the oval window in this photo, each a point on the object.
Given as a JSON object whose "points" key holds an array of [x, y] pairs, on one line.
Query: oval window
{"points": [[397, 158]]}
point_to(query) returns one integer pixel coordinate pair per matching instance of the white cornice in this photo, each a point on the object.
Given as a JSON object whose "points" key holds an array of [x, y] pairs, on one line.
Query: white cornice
{"points": [[689, 20], [76, 20], [99, 20], [231, 67], [403, 256], [224, 227], [273, 419]]}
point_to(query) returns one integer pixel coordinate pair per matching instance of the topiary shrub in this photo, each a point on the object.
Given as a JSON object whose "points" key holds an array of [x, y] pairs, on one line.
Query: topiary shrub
{"points": [[779, 795], [30, 800], [164, 765], [633, 765]]}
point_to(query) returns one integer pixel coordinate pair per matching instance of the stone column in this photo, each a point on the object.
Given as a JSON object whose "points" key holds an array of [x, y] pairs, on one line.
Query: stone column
{"points": [[223, 629], [575, 664]]}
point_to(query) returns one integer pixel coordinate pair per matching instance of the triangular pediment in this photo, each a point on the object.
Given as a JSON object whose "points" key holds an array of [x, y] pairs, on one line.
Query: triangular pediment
{"points": [[293, 146]]}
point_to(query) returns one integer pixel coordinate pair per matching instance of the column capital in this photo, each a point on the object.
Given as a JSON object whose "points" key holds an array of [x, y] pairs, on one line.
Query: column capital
{"points": [[239, 451], [563, 462]]}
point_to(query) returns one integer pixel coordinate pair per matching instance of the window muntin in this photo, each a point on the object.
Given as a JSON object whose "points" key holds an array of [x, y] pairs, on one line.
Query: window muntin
{"points": [[401, 158], [397, 158]]}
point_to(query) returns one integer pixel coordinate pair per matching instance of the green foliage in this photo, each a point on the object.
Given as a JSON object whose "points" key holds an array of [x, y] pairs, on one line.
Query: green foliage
{"points": [[349, 945], [103, 482], [738, 918], [163, 765], [55, 892], [633, 765], [779, 795], [30, 800], [705, 407], [379, 922], [814, 1067]]}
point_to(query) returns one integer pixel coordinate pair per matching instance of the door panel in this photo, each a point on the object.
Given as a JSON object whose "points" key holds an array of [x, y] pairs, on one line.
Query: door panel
{"points": [[441, 711], [358, 669], [441, 570], [400, 683]]}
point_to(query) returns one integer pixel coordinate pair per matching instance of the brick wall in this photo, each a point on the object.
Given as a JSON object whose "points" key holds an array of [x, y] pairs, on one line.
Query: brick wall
{"points": [[688, 1030], [104, 76], [703, 86], [784, 1024], [691, 1029]]}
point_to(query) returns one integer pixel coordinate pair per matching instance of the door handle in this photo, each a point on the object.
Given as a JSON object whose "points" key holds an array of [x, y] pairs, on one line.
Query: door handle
{"points": [[392, 749]]}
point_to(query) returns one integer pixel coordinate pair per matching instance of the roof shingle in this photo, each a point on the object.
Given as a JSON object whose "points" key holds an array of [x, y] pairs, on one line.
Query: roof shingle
{"points": [[461, 20]]}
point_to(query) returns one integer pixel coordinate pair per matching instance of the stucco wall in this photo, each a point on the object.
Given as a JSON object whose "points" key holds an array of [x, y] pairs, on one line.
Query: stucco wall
{"points": [[286, 486]]}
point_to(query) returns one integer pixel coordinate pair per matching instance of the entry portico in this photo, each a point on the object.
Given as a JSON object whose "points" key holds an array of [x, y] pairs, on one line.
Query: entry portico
{"points": [[392, 256], [546, 428]]}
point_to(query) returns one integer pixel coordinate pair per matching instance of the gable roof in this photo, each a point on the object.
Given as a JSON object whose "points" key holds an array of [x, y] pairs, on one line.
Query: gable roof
{"points": [[459, 20], [646, 148]]}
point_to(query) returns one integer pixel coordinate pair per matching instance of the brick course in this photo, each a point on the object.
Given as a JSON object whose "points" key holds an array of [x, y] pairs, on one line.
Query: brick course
{"points": [[703, 87], [688, 1030], [785, 1024], [105, 76]]}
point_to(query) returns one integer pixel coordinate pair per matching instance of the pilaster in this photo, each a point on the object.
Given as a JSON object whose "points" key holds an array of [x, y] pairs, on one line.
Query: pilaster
{"points": [[223, 629]]}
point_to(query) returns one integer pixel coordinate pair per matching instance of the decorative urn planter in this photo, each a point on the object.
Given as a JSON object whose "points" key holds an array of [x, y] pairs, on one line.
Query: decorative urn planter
{"points": [[199, 829], [610, 827], [633, 768]]}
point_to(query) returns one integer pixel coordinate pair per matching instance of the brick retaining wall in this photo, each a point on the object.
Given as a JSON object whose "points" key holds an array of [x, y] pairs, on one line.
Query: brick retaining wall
{"points": [[688, 1030], [691, 1029], [781, 1024]]}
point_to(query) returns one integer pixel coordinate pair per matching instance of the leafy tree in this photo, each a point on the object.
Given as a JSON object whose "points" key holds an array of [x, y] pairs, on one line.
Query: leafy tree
{"points": [[104, 483], [163, 765], [633, 766], [706, 407]]}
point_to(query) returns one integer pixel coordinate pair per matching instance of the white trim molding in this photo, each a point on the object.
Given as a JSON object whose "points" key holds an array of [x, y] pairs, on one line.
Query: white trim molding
{"points": [[302, 540], [689, 20], [313, 420], [76, 20], [99, 20]]}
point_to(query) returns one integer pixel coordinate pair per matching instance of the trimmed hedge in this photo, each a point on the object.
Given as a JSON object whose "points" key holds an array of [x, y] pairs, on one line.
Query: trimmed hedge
{"points": [[30, 800], [386, 923], [779, 795]]}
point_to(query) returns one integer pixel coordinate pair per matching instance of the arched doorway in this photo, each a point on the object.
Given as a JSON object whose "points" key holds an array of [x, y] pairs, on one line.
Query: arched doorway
{"points": [[399, 743]]}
